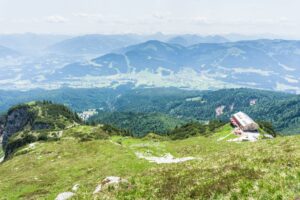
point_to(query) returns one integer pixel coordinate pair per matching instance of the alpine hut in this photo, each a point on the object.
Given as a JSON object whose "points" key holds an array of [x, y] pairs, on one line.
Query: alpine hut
{"points": [[244, 122]]}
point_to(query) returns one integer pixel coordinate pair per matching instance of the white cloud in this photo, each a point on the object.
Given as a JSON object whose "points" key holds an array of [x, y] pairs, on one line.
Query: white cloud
{"points": [[91, 17], [24, 21], [88, 15], [201, 20], [167, 16], [56, 19], [161, 15]]}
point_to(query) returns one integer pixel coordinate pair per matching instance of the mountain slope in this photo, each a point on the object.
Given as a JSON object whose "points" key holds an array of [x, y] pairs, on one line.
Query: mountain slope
{"points": [[139, 124], [30, 43], [26, 123], [7, 52], [279, 108], [188, 40], [219, 170], [92, 44], [263, 64]]}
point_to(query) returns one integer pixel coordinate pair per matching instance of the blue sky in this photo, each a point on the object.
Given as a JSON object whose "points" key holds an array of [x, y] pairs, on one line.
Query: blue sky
{"points": [[280, 17]]}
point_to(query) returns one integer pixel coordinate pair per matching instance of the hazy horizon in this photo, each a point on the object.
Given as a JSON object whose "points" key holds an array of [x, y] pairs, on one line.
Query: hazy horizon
{"points": [[77, 17], [225, 35]]}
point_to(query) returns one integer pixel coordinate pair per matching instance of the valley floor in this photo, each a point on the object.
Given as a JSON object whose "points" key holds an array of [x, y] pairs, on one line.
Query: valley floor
{"points": [[217, 169]]}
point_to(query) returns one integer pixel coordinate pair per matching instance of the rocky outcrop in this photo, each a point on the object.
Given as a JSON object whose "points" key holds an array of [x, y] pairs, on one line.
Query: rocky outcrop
{"points": [[220, 110], [16, 120], [2, 123], [41, 126], [31, 122]]}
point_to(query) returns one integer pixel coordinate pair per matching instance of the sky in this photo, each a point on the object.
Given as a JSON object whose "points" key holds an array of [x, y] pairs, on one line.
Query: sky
{"points": [[206, 17]]}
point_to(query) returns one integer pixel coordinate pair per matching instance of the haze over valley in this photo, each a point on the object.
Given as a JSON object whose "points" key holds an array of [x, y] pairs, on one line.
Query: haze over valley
{"points": [[184, 61]]}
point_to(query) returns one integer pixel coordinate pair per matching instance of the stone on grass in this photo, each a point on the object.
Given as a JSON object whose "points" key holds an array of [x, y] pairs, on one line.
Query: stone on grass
{"points": [[75, 187], [166, 159], [110, 180], [64, 196]]}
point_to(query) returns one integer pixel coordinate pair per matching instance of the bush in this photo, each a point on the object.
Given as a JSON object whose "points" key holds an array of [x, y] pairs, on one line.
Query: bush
{"points": [[188, 130], [16, 107], [43, 136], [12, 145], [215, 124], [111, 130], [195, 128], [267, 127]]}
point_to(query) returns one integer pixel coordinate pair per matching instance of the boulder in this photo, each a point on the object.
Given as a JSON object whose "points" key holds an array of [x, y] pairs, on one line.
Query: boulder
{"points": [[110, 180], [64, 196]]}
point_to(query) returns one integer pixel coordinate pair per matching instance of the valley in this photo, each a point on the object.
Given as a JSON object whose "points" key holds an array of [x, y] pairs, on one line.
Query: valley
{"points": [[183, 61]]}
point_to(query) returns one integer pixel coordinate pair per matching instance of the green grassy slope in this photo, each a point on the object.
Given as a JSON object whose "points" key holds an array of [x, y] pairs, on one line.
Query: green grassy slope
{"points": [[139, 124], [267, 169]]}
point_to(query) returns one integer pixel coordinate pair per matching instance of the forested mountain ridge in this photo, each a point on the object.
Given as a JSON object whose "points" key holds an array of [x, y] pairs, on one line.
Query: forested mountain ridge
{"points": [[34, 121], [282, 110], [181, 105]]}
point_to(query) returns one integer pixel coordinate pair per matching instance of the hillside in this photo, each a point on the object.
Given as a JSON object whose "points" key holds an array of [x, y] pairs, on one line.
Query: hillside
{"points": [[202, 167], [30, 43], [94, 44], [184, 61], [200, 66], [188, 40], [7, 52], [279, 108], [139, 124], [173, 104], [34, 121]]}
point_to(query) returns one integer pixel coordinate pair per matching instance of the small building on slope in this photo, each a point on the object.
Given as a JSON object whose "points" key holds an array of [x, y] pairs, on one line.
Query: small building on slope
{"points": [[245, 128], [244, 122]]}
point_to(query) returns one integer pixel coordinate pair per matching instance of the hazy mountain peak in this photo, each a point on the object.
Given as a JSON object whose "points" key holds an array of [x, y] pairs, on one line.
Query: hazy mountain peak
{"points": [[5, 52], [188, 40]]}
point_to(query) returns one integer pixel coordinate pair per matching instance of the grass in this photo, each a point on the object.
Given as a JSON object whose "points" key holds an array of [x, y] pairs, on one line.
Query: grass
{"points": [[224, 133], [1, 152], [267, 169]]}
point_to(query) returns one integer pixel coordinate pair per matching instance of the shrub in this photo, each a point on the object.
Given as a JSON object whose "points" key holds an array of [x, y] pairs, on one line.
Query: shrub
{"points": [[111, 130], [12, 145], [43, 136], [215, 124], [195, 128], [188, 130], [267, 127]]}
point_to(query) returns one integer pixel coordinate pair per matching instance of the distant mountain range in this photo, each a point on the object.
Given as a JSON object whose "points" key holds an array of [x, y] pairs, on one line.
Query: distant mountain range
{"points": [[7, 52], [97, 44], [92, 44], [265, 64], [30, 43], [184, 61], [188, 40], [175, 105]]}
